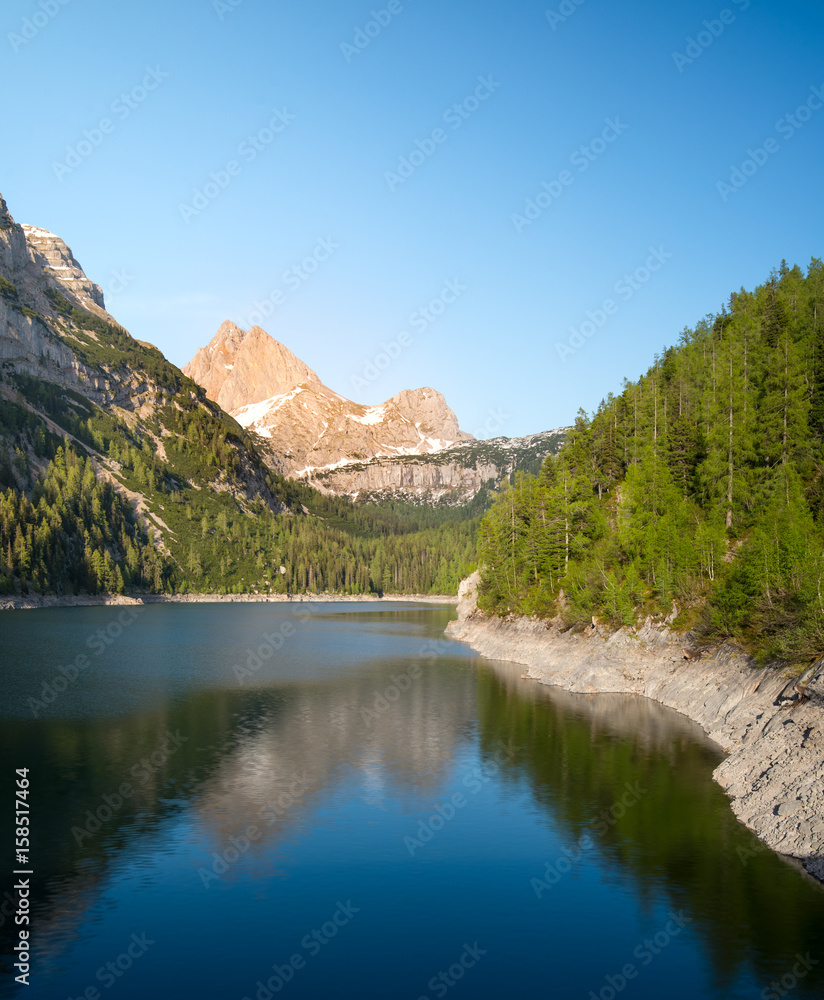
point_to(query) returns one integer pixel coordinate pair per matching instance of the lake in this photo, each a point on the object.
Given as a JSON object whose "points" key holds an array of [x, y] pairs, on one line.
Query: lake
{"points": [[333, 800]]}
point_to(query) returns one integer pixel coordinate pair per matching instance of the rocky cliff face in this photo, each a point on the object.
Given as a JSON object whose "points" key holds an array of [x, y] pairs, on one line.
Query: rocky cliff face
{"points": [[307, 426], [55, 258], [32, 262], [454, 475], [36, 339]]}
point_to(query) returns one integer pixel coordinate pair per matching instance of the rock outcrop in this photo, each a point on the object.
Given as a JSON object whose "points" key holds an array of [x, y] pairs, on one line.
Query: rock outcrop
{"points": [[308, 427], [770, 725]]}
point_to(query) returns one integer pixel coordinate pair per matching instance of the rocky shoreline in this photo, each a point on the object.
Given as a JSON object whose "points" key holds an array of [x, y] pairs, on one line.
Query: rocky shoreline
{"points": [[104, 600], [769, 724]]}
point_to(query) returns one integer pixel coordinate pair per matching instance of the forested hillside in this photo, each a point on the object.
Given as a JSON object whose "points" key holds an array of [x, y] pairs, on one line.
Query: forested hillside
{"points": [[700, 484], [67, 525]]}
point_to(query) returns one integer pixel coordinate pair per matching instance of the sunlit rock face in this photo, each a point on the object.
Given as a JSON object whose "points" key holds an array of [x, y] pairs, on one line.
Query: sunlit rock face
{"points": [[308, 427]]}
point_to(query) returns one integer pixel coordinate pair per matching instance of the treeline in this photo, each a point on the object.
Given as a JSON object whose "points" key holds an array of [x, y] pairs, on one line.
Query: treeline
{"points": [[700, 483], [226, 550], [386, 518]]}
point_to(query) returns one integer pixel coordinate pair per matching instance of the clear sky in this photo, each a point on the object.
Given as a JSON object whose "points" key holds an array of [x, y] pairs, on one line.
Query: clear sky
{"points": [[194, 153]]}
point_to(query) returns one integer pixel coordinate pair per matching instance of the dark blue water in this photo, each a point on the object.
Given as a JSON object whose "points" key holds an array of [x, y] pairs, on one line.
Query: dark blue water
{"points": [[312, 801]]}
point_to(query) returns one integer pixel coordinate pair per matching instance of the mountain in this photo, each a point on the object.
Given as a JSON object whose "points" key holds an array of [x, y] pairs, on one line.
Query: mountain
{"points": [[239, 368], [59, 263], [118, 472], [105, 420], [409, 448], [54, 328], [307, 426]]}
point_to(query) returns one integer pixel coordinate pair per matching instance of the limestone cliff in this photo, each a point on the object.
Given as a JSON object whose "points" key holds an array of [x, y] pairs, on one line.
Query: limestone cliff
{"points": [[33, 263], [57, 260]]}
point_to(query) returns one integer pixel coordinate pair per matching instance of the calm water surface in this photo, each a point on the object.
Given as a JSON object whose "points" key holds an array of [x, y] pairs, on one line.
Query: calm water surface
{"points": [[357, 807]]}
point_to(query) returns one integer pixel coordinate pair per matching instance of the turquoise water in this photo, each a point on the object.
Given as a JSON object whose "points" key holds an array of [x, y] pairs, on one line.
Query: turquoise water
{"points": [[314, 801]]}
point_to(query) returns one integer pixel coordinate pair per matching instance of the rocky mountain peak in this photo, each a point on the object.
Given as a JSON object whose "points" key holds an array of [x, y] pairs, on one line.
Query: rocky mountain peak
{"points": [[428, 410], [307, 425], [34, 263], [238, 368]]}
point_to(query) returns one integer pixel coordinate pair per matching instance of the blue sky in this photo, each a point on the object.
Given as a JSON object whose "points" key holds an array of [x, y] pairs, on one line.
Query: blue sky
{"points": [[255, 165]]}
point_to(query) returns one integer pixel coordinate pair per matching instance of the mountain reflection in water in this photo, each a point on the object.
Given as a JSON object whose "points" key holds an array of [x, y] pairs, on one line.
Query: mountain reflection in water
{"points": [[254, 808]]}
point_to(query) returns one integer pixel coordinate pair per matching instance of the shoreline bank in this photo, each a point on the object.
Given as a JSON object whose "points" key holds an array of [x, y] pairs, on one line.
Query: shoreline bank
{"points": [[773, 737], [105, 600]]}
